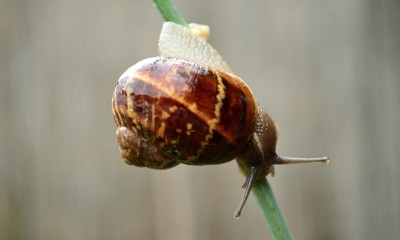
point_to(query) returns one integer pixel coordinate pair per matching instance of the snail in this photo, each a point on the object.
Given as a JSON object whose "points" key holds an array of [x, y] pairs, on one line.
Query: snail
{"points": [[188, 108], [171, 111]]}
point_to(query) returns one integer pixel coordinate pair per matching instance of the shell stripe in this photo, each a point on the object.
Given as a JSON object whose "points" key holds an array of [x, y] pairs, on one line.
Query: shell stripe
{"points": [[213, 123], [128, 109], [117, 113]]}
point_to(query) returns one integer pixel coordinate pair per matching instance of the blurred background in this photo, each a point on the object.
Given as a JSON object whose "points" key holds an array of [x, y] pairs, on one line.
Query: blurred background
{"points": [[328, 71]]}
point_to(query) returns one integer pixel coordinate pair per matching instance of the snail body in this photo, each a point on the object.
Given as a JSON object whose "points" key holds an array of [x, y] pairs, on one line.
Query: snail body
{"points": [[171, 111]]}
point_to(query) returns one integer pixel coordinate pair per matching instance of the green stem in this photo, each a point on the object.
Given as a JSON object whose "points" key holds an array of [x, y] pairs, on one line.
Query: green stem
{"points": [[270, 208], [169, 12], [261, 189]]}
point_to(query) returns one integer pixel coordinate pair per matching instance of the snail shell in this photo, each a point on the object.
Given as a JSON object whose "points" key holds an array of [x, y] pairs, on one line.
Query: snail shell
{"points": [[170, 111]]}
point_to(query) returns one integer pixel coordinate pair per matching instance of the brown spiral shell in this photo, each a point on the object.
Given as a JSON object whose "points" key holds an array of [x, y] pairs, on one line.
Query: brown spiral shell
{"points": [[170, 111]]}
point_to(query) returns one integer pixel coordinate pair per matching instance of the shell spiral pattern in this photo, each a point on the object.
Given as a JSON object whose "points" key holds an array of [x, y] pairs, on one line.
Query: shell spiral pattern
{"points": [[170, 111]]}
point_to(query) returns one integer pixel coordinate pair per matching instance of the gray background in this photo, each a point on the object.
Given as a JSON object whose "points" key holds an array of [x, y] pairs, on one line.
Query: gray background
{"points": [[328, 71]]}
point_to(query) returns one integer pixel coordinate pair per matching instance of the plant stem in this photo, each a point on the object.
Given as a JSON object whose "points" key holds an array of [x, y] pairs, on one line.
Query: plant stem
{"points": [[261, 189], [270, 208], [169, 12]]}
